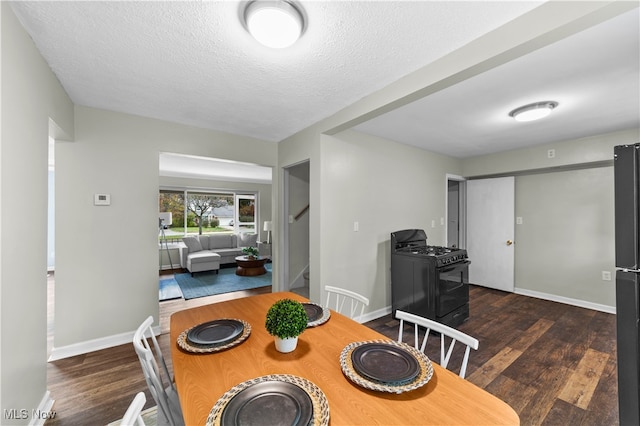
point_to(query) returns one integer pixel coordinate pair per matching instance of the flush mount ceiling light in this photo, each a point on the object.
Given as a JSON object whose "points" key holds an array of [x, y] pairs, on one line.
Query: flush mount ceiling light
{"points": [[533, 111], [276, 24]]}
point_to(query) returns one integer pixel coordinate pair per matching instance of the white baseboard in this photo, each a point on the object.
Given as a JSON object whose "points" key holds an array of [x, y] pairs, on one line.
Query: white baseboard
{"points": [[94, 345], [566, 300], [369, 316], [43, 412], [167, 267]]}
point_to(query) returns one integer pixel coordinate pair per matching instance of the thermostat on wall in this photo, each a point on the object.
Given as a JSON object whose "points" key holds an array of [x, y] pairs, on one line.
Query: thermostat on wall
{"points": [[102, 199]]}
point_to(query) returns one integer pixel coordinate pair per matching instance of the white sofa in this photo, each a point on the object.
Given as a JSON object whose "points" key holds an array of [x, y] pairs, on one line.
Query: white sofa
{"points": [[208, 252]]}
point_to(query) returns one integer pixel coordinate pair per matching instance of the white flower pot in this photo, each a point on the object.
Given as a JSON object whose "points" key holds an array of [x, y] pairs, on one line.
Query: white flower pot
{"points": [[286, 345]]}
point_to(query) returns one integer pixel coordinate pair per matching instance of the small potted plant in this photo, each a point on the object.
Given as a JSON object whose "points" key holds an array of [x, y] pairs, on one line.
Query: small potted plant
{"points": [[286, 320], [250, 252]]}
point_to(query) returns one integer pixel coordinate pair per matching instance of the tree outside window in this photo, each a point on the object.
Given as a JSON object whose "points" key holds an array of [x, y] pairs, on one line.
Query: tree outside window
{"points": [[201, 207], [199, 212]]}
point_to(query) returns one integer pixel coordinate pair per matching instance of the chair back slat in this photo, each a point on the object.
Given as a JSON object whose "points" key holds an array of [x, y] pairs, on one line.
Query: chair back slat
{"points": [[445, 331], [356, 302], [133, 417], [164, 395]]}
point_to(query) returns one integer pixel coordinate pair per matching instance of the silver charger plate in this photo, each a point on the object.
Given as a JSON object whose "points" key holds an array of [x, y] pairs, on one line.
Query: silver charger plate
{"points": [[216, 332], [317, 314]]}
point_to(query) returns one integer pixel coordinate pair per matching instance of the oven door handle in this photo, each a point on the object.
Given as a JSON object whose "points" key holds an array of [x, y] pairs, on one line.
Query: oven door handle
{"points": [[458, 265]]}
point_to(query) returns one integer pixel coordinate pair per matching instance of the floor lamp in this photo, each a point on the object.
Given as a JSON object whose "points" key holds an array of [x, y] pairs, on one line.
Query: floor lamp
{"points": [[267, 229]]}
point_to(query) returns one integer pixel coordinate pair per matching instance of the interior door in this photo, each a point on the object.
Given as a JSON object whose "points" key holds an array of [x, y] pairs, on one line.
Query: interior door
{"points": [[490, 232]]}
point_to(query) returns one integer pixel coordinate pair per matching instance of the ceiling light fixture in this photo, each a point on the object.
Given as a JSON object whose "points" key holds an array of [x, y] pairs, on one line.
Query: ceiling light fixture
{"points": [[533, 111], [274, 23]]}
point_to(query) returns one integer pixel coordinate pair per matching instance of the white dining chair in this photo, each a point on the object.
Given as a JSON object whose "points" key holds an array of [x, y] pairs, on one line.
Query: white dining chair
{"points": [[169, 411], [133, 415], [356, 301], [444, 330]]}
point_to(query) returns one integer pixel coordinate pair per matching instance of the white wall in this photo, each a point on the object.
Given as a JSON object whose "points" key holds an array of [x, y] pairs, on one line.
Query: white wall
{"points": [[31, 96], [107, 257]]}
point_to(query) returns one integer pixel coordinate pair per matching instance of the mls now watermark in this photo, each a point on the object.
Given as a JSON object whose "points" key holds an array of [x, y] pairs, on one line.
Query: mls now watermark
{"points": [[23, 414]]}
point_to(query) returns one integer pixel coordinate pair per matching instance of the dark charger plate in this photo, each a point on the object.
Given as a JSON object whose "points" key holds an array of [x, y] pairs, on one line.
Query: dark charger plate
{"points": [[216, 332], [314, 312], [385, 363], [269, 403]]}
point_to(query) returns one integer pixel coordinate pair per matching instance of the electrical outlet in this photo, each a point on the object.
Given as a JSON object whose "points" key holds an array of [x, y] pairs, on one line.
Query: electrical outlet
{"points": [[433, 223], [606, 275], [551, 153], [356, 226], [519, 220]]}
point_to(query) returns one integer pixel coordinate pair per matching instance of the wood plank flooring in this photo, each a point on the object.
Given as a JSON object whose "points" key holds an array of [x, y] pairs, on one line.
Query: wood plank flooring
{"points": [[555, 364]]}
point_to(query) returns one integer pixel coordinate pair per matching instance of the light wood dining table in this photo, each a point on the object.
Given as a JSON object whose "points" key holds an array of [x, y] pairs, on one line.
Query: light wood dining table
{"points": [[202, 379]]}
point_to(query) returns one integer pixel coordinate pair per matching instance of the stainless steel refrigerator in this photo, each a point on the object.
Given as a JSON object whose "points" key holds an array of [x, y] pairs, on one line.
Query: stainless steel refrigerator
{"points": [[627, 197]]}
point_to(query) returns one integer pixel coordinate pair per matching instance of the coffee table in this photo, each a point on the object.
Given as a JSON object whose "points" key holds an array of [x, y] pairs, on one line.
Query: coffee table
{"points": [[250, 267]]}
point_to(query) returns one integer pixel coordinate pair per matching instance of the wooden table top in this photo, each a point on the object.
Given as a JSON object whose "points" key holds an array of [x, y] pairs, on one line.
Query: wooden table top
{"points": [[203, 378]]}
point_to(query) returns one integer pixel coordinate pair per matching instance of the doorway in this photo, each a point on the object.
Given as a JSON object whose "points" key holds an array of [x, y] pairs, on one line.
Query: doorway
{"points": [[296, 233], [456, 211]]}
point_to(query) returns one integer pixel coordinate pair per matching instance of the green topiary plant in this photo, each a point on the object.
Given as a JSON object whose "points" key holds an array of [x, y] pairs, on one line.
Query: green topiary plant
{"points": [[251, 251], [286, 318]]}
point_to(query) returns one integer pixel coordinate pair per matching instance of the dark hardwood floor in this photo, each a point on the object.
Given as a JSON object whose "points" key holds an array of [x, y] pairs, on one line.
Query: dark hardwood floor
{"points": [[555, 364]]}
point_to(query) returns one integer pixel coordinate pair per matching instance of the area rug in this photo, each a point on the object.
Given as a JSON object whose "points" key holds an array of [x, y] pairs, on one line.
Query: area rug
{"points": [[169, 289], [225, 281]]}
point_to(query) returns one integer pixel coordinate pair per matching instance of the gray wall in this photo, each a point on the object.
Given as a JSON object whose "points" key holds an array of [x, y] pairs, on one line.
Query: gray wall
{"points": [[567, 234], [107, 257], [384, 186], [31, 97], [299, 228], [566, 239]]}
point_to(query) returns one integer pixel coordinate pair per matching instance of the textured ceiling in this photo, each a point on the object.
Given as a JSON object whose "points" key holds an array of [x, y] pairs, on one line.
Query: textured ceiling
{"points": [[594, 75], [193, 62]]}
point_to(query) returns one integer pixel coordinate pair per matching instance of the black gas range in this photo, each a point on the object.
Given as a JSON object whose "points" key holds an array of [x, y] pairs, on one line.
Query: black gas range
{"points": [[430, 281]]}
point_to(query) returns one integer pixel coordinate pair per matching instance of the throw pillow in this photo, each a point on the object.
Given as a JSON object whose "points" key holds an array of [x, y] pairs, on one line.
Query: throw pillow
{"points": [[192, 243], [248, 240]]}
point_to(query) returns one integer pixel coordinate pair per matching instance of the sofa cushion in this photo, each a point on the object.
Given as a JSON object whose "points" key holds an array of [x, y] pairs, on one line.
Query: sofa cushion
{"points": [[217, 241], [192, 243], [247, 240], [204, 256], [204, 241]]}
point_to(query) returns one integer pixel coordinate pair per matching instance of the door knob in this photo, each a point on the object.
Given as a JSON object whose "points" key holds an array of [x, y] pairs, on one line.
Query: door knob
{"points": [[509, 242]]}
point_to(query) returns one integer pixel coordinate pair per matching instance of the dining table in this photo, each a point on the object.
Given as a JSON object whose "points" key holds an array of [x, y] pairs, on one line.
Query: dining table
{"points": [[204, 378]]}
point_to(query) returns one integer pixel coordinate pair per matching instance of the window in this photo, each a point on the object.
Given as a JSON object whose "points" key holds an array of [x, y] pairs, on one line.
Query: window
{"points": [[201, 212], [205, 210], [246, 213]]}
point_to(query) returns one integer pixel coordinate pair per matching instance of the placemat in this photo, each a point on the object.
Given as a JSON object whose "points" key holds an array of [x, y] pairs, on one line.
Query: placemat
{"points": [[326, 313], [319, 400], [426, 369], [188, 346]]}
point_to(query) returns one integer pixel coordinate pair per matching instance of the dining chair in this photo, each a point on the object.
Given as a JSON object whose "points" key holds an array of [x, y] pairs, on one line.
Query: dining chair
{"points": [[444, 330], [356, 301], [169, 411], [133, 415]]}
